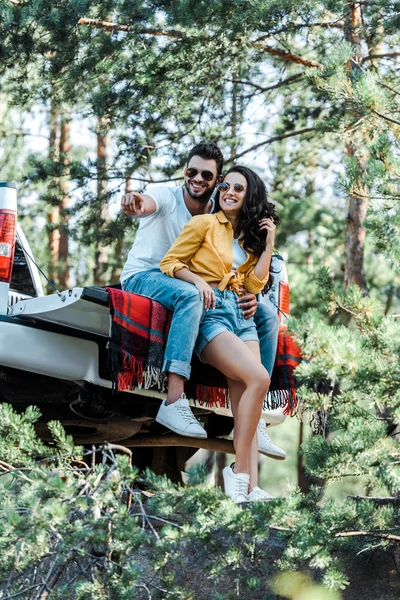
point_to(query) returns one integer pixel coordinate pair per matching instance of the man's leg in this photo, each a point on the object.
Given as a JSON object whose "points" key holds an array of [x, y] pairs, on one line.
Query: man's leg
{"points": [[267, 323], [184, 300]]}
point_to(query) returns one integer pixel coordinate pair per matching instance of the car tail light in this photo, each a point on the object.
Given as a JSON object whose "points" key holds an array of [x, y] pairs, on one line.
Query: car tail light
{"points": [[8, 228], [284, 301]]}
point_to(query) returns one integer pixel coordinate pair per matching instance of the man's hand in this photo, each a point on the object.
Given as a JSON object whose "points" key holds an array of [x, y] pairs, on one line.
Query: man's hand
{"points": [[133, 204], [248, 304]]}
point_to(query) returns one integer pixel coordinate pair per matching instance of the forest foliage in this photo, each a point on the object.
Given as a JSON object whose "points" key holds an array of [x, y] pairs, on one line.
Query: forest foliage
{"points": [[99, 97]]}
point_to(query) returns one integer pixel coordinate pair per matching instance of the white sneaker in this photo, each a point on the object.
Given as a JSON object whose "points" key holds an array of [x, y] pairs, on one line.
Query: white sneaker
{"points": [[265, 444], [179, 418], [236, 484], [257, 494]]}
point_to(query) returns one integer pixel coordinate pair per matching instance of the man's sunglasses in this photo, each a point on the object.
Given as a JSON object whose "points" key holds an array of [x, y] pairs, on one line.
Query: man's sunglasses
{"points": [[224, 187], [192, 172]]}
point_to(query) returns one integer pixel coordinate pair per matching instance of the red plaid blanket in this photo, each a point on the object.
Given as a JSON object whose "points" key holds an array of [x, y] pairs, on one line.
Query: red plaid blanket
{"points": [[282, 391], [139, 332]]}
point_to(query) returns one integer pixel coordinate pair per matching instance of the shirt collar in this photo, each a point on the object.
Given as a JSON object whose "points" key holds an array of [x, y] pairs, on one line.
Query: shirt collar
{"points": [[221, 217]]}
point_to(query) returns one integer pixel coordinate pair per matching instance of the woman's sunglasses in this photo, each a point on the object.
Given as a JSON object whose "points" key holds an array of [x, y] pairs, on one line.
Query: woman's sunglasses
{"points": [[192, 172], [224, 187]]}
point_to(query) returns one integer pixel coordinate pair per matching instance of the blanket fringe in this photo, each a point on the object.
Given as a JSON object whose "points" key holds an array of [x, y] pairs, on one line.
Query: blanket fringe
{"points": [[130, 373], [286, 399], [212, 396], [155, 377]]}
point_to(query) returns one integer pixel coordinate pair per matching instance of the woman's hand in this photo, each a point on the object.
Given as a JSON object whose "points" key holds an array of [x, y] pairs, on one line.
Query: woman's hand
{"points": [[206, 294], [270, 227]]}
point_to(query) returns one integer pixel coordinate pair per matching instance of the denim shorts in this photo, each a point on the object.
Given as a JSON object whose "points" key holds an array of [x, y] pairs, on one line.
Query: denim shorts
{"points": [[227, 316]]}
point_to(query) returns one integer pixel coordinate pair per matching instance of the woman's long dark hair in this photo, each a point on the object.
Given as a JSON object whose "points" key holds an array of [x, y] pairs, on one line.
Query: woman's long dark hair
{"points": [[255, 207]]}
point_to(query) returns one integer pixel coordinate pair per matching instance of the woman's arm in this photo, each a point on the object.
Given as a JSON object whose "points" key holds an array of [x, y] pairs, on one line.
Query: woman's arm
{"points": [[261, 270], [256, 278], [205, 290], [181, 251], [185, 246]]}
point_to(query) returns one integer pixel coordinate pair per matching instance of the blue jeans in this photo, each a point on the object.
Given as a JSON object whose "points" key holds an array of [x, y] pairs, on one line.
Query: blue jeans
{"points": [[267, 323], [226, 316], [183, 299]]}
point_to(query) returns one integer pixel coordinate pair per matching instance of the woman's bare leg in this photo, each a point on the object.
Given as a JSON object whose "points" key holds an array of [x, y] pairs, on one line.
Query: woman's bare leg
{"points": [[236, 361], [236, 390], [254, 463]]}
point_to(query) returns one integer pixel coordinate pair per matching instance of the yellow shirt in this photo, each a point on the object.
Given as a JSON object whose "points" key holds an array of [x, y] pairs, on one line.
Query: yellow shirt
{"points": [[205, 248]]}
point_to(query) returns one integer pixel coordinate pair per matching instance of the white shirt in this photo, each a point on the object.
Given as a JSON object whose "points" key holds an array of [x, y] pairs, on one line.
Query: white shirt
{"points": [[157, 232], [239, 255]]}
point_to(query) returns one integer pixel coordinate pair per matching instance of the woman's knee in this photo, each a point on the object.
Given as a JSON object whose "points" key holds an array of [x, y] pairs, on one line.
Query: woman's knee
{"points": [[260, 381]]}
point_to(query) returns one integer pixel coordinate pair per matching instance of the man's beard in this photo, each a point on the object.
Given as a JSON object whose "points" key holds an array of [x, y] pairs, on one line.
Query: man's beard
{"points": [[203, 198]]}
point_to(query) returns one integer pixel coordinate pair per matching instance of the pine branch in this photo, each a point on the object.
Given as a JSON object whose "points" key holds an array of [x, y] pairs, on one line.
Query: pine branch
{"points": [[108, 26], [378, 56], [284, 54], [396, 92], [164, 521], [32, 587], [385, 536], [327, 25], [298, 26], [52, 578], [281, 83], [380, 501], [288, 56], [7, 467], [276, 138], [385, 117]]}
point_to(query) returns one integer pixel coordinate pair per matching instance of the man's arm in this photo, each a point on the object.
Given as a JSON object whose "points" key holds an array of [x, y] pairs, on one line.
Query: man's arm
{"points": [[138, 205]]}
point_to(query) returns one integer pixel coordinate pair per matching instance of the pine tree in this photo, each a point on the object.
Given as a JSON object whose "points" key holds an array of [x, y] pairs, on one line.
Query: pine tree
{"points": [[306, 93]]}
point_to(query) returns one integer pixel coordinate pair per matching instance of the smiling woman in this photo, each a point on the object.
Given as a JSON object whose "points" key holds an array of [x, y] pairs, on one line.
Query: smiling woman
{"points": [[232, 193], [207, 255]]}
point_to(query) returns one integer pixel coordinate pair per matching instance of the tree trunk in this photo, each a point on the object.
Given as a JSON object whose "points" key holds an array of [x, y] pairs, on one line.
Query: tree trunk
{"points": [[220, 466], [53, 214], [57, 216], [358, 200], [310, 190], [118, 246], [102, 251], [234, 119], [303, 481], [65, 157]]}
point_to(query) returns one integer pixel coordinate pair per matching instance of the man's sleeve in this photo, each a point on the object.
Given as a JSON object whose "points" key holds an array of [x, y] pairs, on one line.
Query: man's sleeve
{"points": [[185, 246], [164, 199]]}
